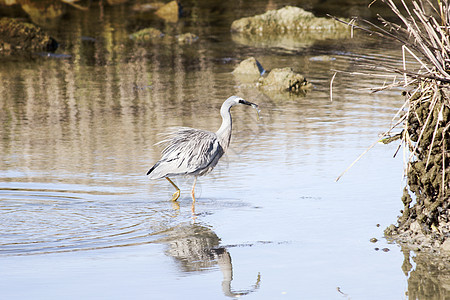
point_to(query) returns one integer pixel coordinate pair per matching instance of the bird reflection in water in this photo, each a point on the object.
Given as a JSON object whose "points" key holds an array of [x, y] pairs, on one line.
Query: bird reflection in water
{"points": [[196, 248], [224, 261]]}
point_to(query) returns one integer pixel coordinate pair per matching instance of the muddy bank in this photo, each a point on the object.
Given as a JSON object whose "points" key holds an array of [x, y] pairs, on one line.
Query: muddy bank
{"points": [[425, 220], [424, 223]]}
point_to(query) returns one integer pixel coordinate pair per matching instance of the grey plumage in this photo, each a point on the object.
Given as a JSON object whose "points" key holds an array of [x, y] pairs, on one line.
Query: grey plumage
{"points": [[188, 151], [195, 152]]}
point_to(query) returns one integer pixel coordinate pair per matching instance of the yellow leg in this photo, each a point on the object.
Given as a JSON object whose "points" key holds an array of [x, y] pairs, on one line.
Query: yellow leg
{"points": [[193, 211], [193, 190], [176, 195]]}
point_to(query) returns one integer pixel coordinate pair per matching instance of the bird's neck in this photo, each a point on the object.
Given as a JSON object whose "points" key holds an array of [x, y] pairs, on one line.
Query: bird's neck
{"points": [[224, 132]]}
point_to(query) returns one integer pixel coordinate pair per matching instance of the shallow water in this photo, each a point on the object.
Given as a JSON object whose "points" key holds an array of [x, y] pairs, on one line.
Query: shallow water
{"points": [[79, 218]]}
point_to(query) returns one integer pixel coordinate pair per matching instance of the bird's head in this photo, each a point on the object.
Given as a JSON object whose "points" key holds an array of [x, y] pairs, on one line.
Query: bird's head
{"points": [[233, 100], [224, 132]]}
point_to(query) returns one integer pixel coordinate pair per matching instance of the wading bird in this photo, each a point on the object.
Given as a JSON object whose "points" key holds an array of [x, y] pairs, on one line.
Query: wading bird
{"points": [[195, 152]]}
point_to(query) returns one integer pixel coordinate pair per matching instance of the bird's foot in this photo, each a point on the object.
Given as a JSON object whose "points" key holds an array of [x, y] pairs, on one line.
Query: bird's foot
{"points": [[176, 205], [176, 195]]}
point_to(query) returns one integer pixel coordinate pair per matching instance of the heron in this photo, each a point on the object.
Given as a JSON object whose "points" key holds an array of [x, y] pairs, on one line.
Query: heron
{"points": [[195, 152]]}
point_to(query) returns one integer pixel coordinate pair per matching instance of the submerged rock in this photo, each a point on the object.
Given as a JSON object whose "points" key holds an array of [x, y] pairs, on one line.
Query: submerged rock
{"points": [[285, 79], [187, 38], [249, 66], [169, 12], [147, 35], [286, 19], [17, 35]]}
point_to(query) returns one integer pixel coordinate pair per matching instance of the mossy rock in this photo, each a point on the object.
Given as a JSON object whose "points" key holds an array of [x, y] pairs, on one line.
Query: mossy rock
{"points": [[16, 35], [147, 35]]}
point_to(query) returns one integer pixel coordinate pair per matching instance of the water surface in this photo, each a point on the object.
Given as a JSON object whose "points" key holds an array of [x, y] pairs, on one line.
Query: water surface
{"points": [[79, 218]]}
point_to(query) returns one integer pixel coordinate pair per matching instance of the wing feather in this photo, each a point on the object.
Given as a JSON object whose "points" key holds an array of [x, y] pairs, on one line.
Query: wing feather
{"points": [[187, 151]]}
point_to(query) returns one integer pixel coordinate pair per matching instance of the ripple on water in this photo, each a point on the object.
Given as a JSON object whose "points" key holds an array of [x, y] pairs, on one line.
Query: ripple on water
{"points": [[35, 221]]}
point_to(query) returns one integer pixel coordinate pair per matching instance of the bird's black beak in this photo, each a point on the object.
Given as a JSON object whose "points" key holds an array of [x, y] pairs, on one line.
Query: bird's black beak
{"points": [[255, 106], [242, 101]]}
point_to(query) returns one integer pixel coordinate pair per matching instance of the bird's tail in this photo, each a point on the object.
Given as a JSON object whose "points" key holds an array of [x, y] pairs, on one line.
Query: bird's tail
{"points": [[152, 168]]}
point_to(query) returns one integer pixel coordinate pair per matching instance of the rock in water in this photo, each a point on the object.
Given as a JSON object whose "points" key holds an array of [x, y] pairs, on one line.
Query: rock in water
{"points": [[169, 12], [286, 19], [250, 71], [18, 35], [146, 35], [187, 38], [250, 66], [285, 79]]}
